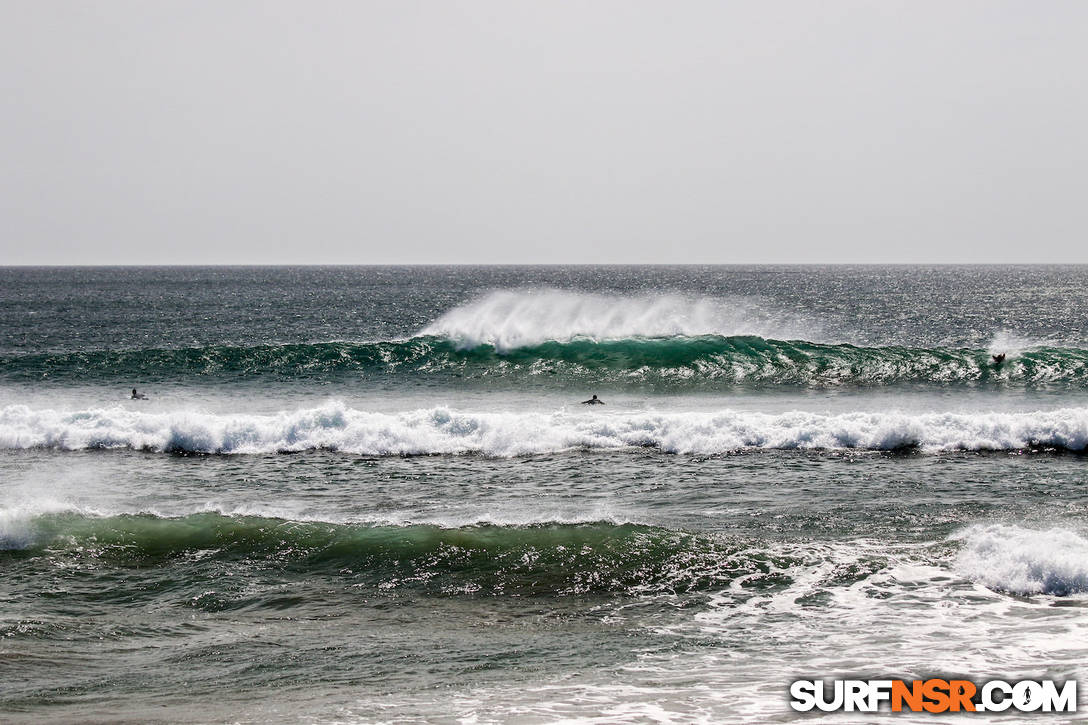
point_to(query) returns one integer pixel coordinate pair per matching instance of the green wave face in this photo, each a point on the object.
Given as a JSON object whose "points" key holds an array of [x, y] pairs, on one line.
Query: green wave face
{"points": [[691, 362], [539, 559]]}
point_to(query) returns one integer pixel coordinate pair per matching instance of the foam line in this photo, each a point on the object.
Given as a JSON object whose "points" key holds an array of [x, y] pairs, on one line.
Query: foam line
{"points": [[336, 427]]}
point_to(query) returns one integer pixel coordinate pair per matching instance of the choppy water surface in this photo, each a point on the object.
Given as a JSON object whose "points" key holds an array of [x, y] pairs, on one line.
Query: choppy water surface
{"points": [[371, 494]]}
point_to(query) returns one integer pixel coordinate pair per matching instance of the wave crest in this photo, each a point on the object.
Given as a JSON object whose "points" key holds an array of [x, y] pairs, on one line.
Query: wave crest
{"points": [[512, 319]]}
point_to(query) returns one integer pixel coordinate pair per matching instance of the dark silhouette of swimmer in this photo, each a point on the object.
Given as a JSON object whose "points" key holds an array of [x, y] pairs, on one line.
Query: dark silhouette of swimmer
{"points": [[999, 358], [138, 396], [593, 401]]}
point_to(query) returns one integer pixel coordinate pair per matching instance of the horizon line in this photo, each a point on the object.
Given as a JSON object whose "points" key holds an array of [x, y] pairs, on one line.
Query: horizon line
{"points": [[540, 264]]}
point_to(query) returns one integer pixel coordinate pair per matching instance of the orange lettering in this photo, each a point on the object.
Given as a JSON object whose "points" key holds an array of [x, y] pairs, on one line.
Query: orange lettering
{"points": [[936, 691], [961, 692], [912, 695]]}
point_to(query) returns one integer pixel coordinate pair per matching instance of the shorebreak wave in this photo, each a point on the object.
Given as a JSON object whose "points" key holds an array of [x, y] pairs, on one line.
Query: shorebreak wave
{"points": [[1023, 561]]}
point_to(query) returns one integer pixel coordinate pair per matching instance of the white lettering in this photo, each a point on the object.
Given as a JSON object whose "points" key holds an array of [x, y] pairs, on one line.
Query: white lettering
{"points": [[803, 693]]}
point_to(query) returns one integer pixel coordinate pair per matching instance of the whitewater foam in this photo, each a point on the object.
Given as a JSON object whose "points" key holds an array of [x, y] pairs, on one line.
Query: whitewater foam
{"points": [[336, 427], [510, 319], [1012, 559], [1010, 344]]}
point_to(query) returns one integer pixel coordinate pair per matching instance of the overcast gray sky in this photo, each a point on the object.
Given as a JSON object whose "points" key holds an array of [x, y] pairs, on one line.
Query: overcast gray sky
{"points": [[359, 132]]}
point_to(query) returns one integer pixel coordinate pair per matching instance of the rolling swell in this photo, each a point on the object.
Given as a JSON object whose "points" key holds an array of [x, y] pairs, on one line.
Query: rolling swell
{"points": [[701, 362], [546, 558]]}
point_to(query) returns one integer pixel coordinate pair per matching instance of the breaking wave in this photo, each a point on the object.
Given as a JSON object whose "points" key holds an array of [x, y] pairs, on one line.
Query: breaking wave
{"points": [[545, 558], [336, 427], [1024, 561], [705, 363]]}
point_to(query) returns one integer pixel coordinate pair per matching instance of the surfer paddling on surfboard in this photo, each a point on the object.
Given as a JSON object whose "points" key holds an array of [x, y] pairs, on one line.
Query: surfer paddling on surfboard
{"points": [[593, 401], [138, 396]]}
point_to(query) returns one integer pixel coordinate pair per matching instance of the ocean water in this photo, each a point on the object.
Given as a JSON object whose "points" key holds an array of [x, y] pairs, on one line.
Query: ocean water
{"points": [[372, 494]]}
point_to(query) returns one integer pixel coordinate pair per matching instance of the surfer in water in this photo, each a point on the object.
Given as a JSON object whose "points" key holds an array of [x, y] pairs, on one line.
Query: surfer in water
{"points": [[593, 401], [138, 396], [998, 358]]}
